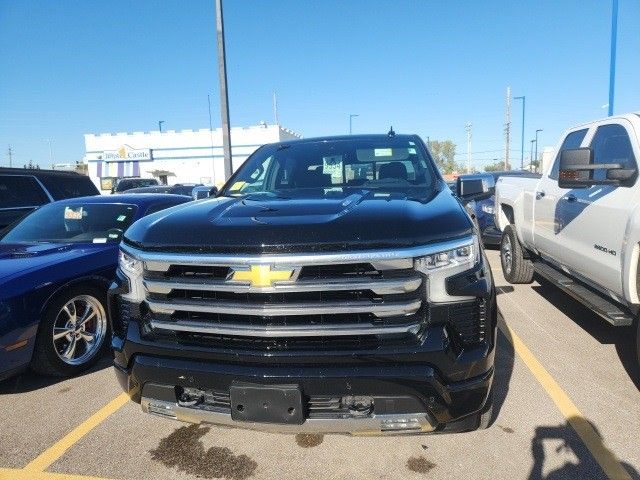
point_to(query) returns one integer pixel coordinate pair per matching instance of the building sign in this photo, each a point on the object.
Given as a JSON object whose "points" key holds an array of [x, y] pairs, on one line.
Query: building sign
{"points": [[126, 154]]}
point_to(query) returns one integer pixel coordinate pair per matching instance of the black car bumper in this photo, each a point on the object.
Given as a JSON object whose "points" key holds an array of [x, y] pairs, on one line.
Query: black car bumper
{"points": [[433, 384]]}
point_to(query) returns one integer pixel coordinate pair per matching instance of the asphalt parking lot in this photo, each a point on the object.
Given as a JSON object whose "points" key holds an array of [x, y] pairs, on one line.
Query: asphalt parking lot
{"points": [[567, 406]]}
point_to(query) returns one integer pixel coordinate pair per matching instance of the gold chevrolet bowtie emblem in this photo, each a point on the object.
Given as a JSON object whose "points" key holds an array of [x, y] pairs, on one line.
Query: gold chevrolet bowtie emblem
{"points": [[261, 275]]}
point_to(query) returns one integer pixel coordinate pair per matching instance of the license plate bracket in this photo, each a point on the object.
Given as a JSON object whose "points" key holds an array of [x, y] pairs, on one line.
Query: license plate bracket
{"points": [[266, 403]]}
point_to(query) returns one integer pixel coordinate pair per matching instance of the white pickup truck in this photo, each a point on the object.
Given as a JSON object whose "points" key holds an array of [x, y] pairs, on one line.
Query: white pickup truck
{"points": [[578, 225]]}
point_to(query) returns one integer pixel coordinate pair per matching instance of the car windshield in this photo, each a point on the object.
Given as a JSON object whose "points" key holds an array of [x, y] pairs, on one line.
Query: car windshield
{"points": [[385, 164], [73, 222], [136, 183]]}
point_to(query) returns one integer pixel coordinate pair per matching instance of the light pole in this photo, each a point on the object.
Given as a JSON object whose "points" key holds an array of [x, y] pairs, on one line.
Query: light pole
{"points": [[50, 141], [531, 154], [224, 94], [351, 117], [612, 63], [537, 131], [522, 139], [160, 122]]}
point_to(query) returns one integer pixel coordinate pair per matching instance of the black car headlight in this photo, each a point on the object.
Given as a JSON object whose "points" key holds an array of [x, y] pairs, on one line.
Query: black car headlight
{"points": [[441, 265]]}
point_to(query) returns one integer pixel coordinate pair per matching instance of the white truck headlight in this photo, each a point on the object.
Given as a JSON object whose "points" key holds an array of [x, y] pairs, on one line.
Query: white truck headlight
{"points": [[487, 208], [132, 268], [442, 265]]}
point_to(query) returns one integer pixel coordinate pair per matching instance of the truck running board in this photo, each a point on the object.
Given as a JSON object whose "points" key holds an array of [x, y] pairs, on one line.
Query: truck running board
{"points": [[607, 309]]}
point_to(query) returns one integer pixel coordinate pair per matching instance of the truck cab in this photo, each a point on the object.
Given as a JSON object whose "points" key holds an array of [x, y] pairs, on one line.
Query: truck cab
{"points": [[581, 218]]}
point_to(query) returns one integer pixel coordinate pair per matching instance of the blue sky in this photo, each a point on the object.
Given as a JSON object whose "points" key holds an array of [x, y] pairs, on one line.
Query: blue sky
{"points": [[427, 67]]}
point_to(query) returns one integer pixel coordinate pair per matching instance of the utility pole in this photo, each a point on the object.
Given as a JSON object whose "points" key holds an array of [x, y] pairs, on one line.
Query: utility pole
{"points": [[160, 122], [468, 129], [49, 141], [275, 108], [507, 131], [10, 155], [224, 97], [522, 138], [531, 154], [351, 117], [612, 63], [537, 132], [213, 179]]}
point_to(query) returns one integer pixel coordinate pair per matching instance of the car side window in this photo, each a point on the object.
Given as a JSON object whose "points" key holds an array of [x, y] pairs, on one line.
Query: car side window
{"points": [[21, 191], [611, 144], [571, 141]]}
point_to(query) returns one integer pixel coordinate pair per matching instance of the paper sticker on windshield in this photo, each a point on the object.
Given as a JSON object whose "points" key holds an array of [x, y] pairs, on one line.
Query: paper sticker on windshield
{"points": [[99, 240], [72, 213], [332, 166], [113, 235], [412, 151], [121, 218], [382, 152], [237, 186]]}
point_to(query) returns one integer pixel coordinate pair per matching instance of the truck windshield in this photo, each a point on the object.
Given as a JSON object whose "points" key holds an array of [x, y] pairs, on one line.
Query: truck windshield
{"points": [[389, 164], [73, 223]]}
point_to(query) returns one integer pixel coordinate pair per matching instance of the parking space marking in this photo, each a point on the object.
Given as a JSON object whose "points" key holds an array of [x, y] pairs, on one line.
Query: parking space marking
{"points": [[18, 474], [605, 457], [51, 454]]}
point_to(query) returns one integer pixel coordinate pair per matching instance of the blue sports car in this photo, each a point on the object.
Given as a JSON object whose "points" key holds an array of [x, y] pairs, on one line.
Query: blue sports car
{"points": [[55, 267]]}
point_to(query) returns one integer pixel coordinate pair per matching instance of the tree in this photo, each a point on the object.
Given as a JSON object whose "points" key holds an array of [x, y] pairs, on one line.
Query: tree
{"points": [[495, 167], [444, 153]]}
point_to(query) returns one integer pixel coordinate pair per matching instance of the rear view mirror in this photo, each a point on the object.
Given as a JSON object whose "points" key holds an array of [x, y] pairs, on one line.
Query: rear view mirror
{"points": [[577, 167], [472, 188]]}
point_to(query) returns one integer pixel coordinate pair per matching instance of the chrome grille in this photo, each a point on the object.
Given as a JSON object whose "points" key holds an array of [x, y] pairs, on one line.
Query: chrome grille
{"points": [[326, 296]]}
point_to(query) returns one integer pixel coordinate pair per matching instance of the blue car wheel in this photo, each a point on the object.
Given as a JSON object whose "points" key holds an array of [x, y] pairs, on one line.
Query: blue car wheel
{"points": [[72, 333]]}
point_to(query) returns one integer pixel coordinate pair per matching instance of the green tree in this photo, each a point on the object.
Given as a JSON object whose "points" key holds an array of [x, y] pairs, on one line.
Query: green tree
{"points": [[495, 167], [444, 152]]}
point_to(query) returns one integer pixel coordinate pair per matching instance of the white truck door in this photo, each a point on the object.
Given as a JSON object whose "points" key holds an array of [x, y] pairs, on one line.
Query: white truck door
{"points": [[594, 220], [547, 228]]}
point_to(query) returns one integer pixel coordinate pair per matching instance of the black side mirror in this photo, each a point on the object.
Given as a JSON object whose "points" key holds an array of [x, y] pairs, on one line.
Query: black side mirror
{"points": [[213, 192], [472, 188], [576, 170]]}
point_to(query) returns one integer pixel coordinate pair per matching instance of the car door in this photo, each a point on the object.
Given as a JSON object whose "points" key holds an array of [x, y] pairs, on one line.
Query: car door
{"points": [[548, 234], [595, 219]]}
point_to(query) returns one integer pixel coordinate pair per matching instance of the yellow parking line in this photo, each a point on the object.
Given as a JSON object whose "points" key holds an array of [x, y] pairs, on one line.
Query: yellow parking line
{"points": [[605, 457], [51, 454], [17, 474]]}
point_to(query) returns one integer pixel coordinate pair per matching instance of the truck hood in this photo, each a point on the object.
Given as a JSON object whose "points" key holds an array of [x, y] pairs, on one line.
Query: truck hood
{"points": [[19, 258], [323, 220]]}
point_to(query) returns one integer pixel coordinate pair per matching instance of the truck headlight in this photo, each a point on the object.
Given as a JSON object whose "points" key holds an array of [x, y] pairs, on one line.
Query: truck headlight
{"points": [[487, 208], [132, 268], [442, 265]]}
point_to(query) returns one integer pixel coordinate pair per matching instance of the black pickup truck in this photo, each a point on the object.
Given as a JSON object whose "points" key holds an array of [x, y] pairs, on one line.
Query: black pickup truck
{"points": [[333, 285]]}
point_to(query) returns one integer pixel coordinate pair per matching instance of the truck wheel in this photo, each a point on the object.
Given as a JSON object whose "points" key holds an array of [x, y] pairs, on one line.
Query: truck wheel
{"points": [[515, 267], [72, 332]]}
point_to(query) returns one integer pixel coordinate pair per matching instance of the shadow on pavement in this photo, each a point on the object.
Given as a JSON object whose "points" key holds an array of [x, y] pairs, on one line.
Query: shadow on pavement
{"points": [[570, 443], [622, 337], [503, 365], [29, 381]]}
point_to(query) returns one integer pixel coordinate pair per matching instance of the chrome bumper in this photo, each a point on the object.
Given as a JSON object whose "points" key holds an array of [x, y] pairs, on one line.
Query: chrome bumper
{"points": [[372, 425]]}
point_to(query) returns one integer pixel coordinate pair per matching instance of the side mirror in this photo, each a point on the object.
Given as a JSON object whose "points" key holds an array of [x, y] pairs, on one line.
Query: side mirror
{"points": [[576, 170], [213, 192], [472, 188]]}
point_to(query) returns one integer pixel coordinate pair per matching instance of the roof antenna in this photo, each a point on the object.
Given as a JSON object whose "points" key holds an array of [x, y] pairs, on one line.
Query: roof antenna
{"points": [[391, 132]]}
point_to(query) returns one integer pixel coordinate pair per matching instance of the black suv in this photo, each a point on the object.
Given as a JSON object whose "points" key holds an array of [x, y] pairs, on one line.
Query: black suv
{"points": [[23, 190], [333, 285]]}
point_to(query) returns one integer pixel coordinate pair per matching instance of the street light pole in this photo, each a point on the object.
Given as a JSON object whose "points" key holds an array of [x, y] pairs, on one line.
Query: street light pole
{"points": [[351, 117], [612, 63], [224, 97], [537, 131], [531, 154], [522, 137], [160, 122]]}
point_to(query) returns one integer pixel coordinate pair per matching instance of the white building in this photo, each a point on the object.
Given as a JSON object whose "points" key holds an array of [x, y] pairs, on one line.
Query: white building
{"points": [[183, 156]]}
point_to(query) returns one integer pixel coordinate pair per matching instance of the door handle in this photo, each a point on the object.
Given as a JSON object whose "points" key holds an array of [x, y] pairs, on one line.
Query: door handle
{"points": [[539, 194], [571, 198]]}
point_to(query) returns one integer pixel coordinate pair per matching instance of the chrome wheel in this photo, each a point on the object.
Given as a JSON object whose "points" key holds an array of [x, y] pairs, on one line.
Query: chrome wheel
{"points": [[79, 329], [506, 256]]}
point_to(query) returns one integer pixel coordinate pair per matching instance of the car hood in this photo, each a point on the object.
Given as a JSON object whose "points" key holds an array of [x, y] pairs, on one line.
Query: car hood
{"points": [[317, 221], [18, 258]]}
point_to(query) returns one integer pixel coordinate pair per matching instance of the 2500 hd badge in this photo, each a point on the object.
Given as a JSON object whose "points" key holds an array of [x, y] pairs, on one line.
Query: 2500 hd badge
{"points": [[333, 285]]}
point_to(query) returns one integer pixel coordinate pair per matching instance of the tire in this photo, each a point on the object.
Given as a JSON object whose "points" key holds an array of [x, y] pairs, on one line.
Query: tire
{"points": [[73, 351], [515, 267]]}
